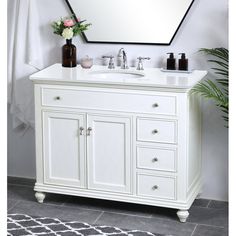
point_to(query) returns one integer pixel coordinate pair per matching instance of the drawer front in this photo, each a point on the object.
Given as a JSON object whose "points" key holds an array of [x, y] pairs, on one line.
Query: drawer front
{"points": [[156, 186], [110, 101], [154, 130], [156, 159]]}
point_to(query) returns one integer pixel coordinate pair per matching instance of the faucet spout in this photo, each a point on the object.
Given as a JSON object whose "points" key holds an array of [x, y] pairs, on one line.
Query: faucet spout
{"points": [[124, 63]]}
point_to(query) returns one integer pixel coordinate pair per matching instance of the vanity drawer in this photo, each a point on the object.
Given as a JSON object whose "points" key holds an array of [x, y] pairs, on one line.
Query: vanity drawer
{"points": [[156, 186], [154, 130], [111, 101], [152, 158]]}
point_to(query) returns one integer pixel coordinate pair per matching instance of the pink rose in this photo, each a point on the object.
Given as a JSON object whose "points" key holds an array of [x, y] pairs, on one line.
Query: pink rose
{"points": [[68, 23]]}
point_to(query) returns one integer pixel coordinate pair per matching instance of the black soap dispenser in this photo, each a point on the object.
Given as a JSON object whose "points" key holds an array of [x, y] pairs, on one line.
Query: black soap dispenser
{"points": [[171, 62], [183, 62]]}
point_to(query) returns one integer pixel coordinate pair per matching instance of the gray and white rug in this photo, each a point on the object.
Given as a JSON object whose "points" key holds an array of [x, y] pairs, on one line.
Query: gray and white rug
{"points": [[25, 225]]}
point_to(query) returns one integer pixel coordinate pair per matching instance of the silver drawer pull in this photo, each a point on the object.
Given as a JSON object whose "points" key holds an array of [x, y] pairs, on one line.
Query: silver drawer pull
{"points": [[155, 159], [81, 130], [155, 187], [89, 131], [155, 131], [155, 105], [57, 98]]}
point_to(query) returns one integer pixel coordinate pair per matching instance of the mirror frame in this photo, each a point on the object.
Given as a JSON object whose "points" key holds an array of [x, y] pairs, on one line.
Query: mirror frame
{"points": [[137, 43]]}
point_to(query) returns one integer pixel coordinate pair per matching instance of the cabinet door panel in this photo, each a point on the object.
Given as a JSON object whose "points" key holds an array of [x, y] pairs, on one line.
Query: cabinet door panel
{"points": [[64, 151], [109, 153]]}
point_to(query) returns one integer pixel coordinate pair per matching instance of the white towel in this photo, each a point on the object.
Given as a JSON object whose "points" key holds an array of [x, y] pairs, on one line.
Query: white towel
{"points": [[24, 58]]}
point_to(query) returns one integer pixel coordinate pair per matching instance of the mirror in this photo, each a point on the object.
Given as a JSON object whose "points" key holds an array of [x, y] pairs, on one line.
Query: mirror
{"points": [[154, 22]]}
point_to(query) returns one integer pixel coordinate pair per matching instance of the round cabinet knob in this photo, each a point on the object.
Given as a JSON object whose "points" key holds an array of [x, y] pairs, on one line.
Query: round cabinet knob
{"points": [[58, 98], [155, 187], [155, 131], [155, 105], [155, 159]]}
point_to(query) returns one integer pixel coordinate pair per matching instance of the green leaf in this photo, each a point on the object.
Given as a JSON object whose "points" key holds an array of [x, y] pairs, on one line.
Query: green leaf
{"points": [[221, 53], [220, 63], [221, 73], [216, 91]]}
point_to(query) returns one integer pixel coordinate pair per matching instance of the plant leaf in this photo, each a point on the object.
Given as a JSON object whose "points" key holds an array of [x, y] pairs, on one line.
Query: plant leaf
{"points": [[221, 53]]}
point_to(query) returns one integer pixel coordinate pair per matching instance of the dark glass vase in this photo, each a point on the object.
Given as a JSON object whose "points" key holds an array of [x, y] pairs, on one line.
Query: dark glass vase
{"points": [[69, 54]]}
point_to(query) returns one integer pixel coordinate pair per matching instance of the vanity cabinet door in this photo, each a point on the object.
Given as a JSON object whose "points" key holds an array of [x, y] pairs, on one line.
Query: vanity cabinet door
{"points": [[64, 149], [109, 153]]}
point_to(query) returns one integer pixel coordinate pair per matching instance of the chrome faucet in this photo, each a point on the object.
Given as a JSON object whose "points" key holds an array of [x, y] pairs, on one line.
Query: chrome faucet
{"points": [[124, 64]]}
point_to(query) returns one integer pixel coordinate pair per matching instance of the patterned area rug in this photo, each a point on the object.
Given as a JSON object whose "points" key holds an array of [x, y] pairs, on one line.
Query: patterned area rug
{"points": [[24, 225]]}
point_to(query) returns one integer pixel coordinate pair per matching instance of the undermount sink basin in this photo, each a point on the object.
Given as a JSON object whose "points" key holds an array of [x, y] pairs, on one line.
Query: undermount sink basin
{"points": [[116, 74]]}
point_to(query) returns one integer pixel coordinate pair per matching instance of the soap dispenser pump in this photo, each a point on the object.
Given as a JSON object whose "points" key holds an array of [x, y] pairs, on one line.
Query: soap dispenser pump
{"points": [[183, 62], [171, 62]]}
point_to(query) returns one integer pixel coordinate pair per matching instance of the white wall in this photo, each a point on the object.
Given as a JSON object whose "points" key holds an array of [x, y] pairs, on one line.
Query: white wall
{"points": [[204, 26]]}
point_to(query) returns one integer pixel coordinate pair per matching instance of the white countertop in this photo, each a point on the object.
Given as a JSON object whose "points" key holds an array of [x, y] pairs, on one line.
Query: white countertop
{"points": [[153, 77]]}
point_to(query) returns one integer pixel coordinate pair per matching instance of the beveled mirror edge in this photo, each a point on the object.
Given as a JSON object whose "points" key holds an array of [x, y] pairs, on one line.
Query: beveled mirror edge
{"points": [[137, 43]]}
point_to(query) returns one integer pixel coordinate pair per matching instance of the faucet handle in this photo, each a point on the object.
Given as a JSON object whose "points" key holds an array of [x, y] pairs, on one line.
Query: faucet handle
{"points": [[144, 58], [108, 56], [140, 62], [111, 64]]}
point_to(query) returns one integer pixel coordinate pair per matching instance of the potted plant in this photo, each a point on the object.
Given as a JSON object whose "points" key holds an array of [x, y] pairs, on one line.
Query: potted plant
{"points": [[218, 90], [69, 27]]}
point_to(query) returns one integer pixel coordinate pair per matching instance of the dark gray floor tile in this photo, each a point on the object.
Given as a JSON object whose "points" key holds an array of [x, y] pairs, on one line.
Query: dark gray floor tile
{"points": [[218, 204], [203, 230], [63, 213], [11, 203], [208, 216], [153, 225], [201, 202], [20, 181], [55, 199], [20, 192], [110, 206]]}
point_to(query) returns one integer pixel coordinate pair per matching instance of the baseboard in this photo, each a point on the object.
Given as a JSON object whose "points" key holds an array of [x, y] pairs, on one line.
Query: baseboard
{"points": [[20, 181]]}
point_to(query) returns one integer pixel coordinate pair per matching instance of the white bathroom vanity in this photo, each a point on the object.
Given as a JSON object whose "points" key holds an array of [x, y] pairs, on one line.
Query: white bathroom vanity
{"points": [[122, 135]]}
